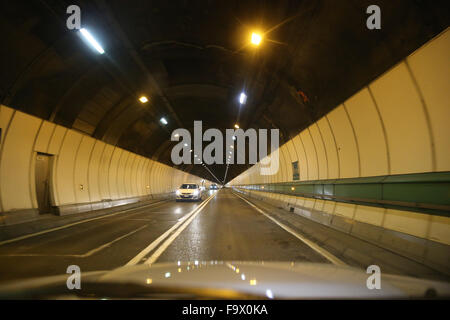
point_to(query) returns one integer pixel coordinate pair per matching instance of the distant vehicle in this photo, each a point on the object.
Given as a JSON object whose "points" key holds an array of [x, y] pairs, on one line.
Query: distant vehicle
{"points": [[189, 191], [213, 187]]}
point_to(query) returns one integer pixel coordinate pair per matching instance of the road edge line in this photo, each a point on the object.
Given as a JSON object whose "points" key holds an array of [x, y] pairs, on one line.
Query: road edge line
{"points": [[327, 255]]}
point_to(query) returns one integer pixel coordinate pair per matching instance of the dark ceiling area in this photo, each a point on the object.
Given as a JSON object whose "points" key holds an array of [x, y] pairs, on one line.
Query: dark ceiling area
{"points": [[192, 59]]}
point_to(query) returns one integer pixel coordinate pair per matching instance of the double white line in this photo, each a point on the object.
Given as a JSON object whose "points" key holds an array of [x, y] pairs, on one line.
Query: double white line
{"points": [[170, 234]]}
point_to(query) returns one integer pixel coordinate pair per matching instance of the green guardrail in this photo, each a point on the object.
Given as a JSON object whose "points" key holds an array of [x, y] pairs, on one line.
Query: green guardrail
{"points": [[424, 192]]}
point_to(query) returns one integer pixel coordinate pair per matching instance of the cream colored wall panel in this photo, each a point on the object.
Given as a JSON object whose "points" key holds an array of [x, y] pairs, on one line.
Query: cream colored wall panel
{"points": [[138, 185], [431, 68], [15, 162], [287, 163], [147, 167], [282, 172], [154, 178], [300, 202], [94, 171], [311, 156], [44, 136], [408, 222], [6, 114], [330, 148], [320, 151], [309, 203], [113, 173], [345, 209], [121, 176], [369, 133], [65, 168], [346, 144], [302, 162], [371, 215], [319, 204], [329, 206], [104, 172], [81, 169], [292, 155], [440, 229], [128, 178], [56, 140], [404, 118]]}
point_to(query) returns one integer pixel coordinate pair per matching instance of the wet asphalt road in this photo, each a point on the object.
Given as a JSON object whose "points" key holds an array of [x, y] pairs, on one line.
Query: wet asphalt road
{"points": [[226, 228]]}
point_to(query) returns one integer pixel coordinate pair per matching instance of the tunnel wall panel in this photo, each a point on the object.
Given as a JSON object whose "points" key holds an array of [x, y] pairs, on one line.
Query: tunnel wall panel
{"points": [[430, 70], [369, 134], [85, 173], [16, 157], [94, 171], [44, 136], [345, 141], [81, 170], [404, 118]]}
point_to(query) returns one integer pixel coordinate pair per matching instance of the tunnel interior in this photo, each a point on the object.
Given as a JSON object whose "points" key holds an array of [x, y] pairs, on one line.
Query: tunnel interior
{"points": [[88, 129], [192, 60]]}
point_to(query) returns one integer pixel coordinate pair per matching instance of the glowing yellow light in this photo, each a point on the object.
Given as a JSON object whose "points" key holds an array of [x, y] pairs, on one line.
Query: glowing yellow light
{"points": [[179, 269], [149, 281], [262, 187], [292, 188], [253, 282], [237, 270], [236, 126], [143, 99], [256, 39]]}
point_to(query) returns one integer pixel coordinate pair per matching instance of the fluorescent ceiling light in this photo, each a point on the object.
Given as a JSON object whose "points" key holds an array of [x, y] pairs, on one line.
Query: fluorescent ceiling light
{"points": [[86, 34], [163, 120], [242, 98]]}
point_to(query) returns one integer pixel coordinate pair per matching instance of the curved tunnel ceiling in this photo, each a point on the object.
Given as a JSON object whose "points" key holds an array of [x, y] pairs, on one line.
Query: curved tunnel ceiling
{"points": [[191, 58]]}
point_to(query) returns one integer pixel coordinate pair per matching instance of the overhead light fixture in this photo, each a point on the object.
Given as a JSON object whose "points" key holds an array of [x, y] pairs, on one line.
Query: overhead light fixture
{"points": [[87, 35], [143, 99], [236, 126], [242, 98], [185, 144], [234, 137], [256, 39], [163, 121]]}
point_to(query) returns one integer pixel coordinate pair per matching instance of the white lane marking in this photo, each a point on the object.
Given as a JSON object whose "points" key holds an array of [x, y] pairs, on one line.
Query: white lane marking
{"points": [[330, 257], [169, 241], [73, 224], [84, 255], [155, 243]]}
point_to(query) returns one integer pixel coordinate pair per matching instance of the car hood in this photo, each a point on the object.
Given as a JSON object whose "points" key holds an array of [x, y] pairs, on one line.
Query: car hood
{"points": [[282, 280]]}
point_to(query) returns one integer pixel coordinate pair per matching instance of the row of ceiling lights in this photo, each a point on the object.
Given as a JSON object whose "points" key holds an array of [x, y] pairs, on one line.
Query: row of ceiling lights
{"points": [[255, 40]]}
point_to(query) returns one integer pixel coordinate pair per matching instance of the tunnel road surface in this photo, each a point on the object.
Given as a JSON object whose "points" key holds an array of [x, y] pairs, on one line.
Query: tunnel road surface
{"points": [[222, 227]]}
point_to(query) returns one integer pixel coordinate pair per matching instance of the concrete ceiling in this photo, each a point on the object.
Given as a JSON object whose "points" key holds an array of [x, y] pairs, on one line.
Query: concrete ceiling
{"points": [[192, 59]]}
